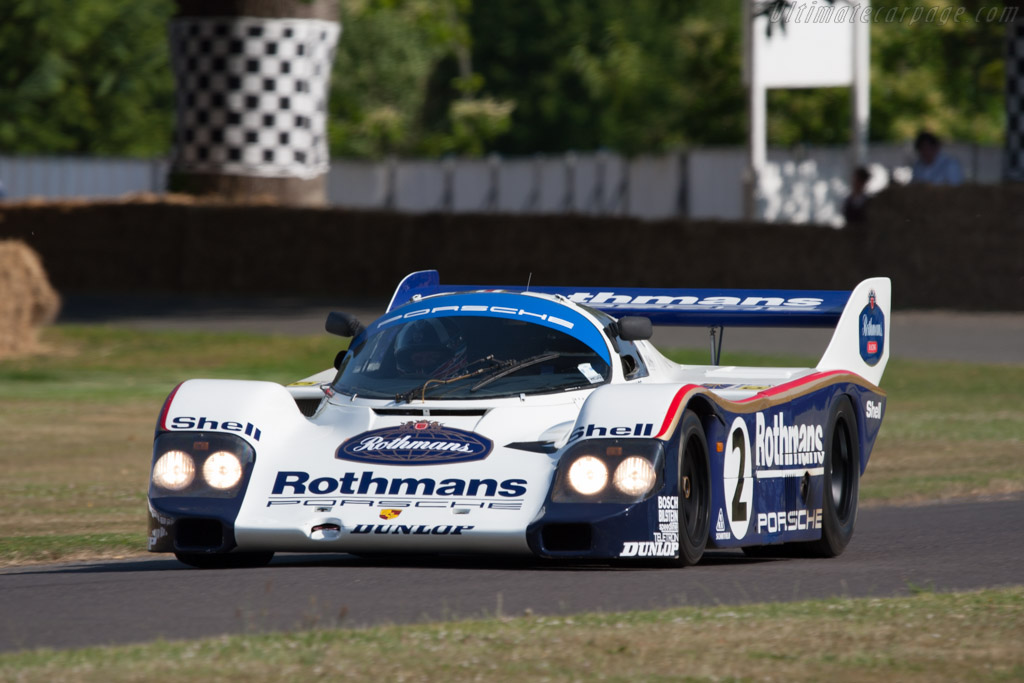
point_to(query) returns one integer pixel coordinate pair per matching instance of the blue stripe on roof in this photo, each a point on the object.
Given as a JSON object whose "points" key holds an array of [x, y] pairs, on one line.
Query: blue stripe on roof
{"points": [[501, 305]]}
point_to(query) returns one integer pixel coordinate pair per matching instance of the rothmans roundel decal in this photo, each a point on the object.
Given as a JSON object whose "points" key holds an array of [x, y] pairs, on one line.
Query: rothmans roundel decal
{"points": [[872, 332], [416, 443]]}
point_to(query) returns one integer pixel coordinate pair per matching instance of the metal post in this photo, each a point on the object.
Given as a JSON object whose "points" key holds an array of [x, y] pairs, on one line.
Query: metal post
{"points": [[717, 332], [569, 198], [861, 99], [757, 105], [390, 183], [448, 184], [533, 199], [494, 174]]}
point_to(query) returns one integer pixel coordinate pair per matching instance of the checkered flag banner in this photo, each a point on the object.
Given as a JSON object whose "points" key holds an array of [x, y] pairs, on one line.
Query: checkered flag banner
{"points": [[252, 95], [1014, 153]]}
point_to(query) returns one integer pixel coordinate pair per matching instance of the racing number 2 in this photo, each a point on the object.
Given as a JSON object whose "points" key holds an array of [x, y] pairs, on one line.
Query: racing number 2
{"points": [[739, 506], [738, 479]]}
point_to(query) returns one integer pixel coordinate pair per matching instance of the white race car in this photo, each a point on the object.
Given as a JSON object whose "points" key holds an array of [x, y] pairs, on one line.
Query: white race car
{"points": [[500, 420]]}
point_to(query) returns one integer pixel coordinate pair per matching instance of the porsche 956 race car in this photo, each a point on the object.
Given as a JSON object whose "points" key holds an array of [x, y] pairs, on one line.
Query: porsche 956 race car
{"points": [[532, 421]]}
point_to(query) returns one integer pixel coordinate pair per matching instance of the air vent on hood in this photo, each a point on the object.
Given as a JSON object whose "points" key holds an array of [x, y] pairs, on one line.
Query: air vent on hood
{"points": [[308, 406], [432, 412]]}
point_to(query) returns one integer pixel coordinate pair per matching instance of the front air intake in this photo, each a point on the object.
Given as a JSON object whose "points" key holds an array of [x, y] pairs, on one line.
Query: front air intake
{"points": [[567, 537], [199, 534]]}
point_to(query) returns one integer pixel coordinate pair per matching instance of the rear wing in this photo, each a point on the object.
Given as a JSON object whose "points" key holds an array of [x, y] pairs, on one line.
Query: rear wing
{"points": [[860, 317]]}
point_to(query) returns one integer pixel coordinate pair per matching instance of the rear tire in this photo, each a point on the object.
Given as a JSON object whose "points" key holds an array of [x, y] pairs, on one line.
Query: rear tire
{"points": [[694, 491], [841, 484], [225, 560]]}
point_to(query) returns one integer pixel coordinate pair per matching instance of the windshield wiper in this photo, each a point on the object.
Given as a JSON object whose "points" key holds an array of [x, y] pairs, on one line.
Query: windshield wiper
{"points": [[514, 366], [408, 396]]}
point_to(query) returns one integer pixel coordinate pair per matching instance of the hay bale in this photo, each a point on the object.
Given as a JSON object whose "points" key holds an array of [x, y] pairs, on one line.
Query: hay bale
{"points": [[27, 301]]}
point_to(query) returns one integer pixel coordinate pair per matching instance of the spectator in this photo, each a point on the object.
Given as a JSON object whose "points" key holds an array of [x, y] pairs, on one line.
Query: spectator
{"points": [[932, 166], [855, 206]]}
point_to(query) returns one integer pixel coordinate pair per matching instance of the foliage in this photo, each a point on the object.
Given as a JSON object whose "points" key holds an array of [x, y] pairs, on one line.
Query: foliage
{"points": [[380, 80], [434, 77], [404, 82], [600, 73], [948, 77], [653, 75], [85, 77]]}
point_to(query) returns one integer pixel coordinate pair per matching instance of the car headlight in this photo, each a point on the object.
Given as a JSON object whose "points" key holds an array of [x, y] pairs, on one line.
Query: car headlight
{"points": [[636, 467], [200, 464], [635, 476], [222, 470], [588, 475], [174, 470]]}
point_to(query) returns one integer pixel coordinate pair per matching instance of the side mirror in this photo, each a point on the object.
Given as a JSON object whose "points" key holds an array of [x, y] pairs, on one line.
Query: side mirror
{"points": [[343, 324], [635, 328]]}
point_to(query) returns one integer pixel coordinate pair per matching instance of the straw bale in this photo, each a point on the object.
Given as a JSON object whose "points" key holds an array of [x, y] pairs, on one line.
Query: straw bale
{"points": [[27, 300]]}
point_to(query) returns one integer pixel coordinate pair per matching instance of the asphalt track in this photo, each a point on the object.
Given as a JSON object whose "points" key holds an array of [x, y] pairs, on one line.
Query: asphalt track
{"points": [[895, 551]]}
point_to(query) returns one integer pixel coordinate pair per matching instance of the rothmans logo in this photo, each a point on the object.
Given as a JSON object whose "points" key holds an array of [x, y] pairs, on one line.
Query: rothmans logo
{"points": [[872, 331], [416, 443], [613, 300]]}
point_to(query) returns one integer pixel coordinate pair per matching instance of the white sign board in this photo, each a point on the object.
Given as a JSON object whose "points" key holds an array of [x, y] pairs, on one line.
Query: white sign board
{"points": [[811, 44]]}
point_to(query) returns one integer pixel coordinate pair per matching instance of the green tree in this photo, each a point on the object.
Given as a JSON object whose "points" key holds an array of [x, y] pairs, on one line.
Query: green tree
{"points": [[379, 86], [947, 77], [85, 77], [643, 76], [404, 82]]}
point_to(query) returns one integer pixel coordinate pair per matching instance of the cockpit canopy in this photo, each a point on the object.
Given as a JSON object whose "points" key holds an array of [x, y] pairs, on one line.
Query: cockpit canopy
{"points": [[468, 350]]}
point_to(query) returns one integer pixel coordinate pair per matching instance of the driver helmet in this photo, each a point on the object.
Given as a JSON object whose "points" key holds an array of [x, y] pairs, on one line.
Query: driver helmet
{"points": [[430, 348]]}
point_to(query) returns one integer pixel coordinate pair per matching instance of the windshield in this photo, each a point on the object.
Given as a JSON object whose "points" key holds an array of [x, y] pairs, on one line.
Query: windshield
{"points": [[468, 357]]}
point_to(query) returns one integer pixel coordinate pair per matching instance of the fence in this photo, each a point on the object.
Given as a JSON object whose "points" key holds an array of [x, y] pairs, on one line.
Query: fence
{"points": [[66, 177], [798, 186]]}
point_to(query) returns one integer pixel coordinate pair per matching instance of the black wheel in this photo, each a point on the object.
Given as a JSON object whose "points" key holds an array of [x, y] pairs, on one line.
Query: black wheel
{"points": [[225, 560], [841, 483], [694, 491]]}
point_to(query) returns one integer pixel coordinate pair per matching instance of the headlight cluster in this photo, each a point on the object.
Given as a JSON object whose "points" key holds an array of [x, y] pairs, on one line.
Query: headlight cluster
{"points": [[210, 465], [610, 470]]}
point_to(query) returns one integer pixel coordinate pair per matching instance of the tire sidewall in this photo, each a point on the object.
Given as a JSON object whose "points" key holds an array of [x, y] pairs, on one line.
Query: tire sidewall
{"points": [[692, 549], [838, 522]]}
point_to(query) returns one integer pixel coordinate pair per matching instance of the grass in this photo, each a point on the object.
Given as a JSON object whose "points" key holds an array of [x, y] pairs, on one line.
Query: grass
{"points": [[76, 427], [925, 637]]}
